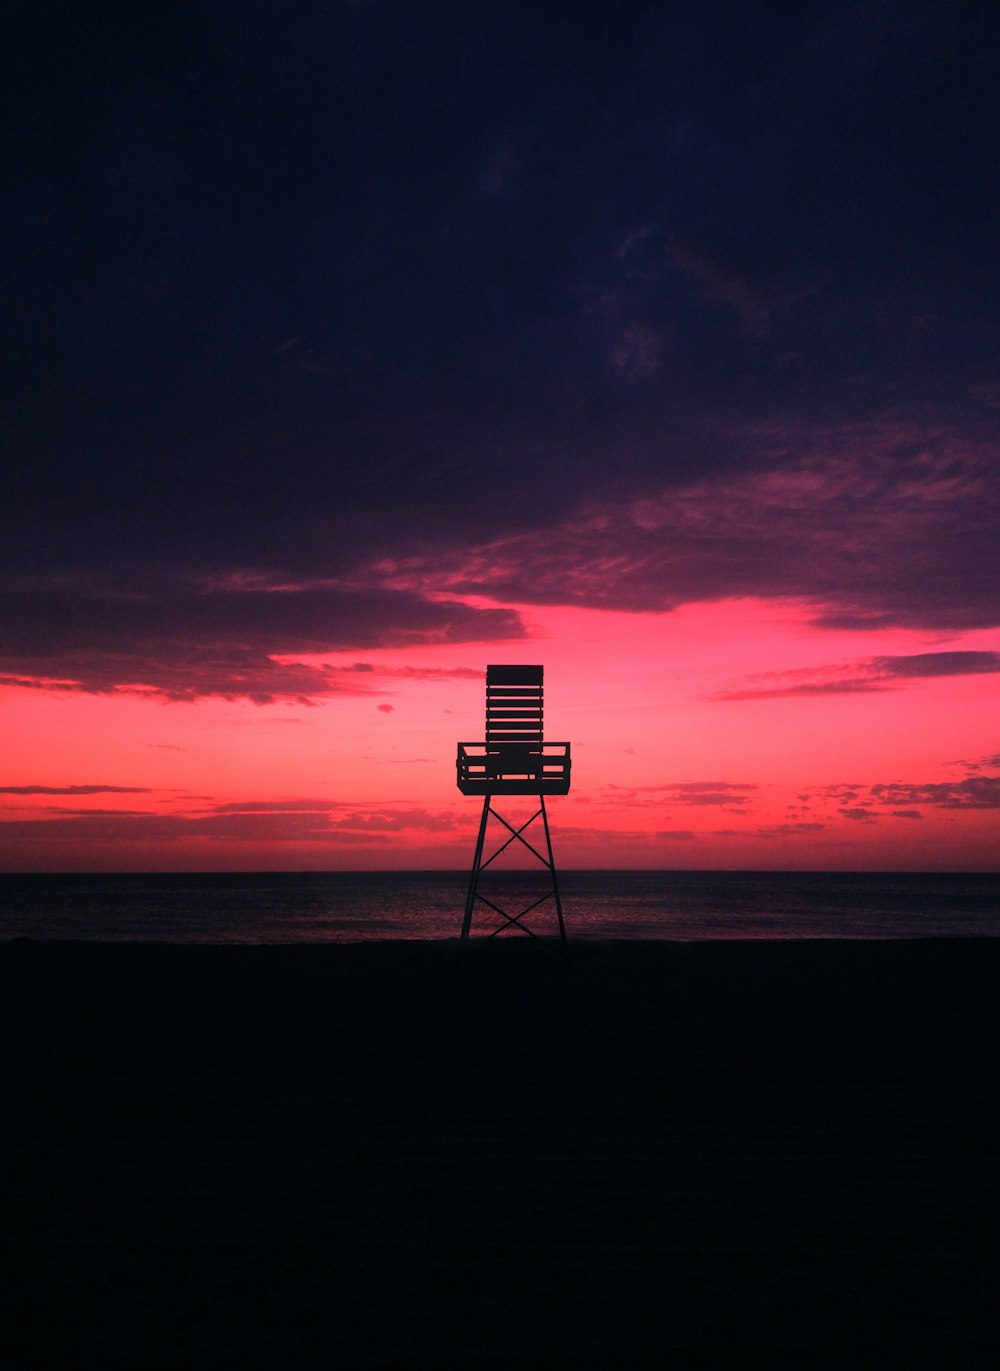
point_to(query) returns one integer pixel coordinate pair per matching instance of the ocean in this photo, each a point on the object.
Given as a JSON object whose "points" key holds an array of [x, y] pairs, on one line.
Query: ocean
{"points": [[342, 907]]}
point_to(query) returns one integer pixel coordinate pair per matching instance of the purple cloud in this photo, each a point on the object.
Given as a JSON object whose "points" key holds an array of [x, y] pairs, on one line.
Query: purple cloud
{"points": [[991, 763], [288, 821], [752, 307], [75, 790], [921, 664], [873, 674], [902, 798], [223, 638], [709, 793], [976, 792], [529, 329], [787, 830], [876, 525]]}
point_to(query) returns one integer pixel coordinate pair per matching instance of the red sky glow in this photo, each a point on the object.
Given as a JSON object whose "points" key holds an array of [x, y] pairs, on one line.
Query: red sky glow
{"points": [[697, 743]]}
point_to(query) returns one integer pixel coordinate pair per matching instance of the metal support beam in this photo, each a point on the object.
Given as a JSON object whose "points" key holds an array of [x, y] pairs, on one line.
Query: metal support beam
{"points": [[512, 922], [470, 899]]}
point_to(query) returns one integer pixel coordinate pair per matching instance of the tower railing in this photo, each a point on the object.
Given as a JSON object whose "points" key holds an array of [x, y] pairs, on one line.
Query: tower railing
{"points": [[513, 769]]}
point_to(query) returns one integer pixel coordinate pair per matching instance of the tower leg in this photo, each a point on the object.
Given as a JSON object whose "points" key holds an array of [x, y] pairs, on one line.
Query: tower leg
{"points": [[552, 869], [470, 899], [513, 922]]}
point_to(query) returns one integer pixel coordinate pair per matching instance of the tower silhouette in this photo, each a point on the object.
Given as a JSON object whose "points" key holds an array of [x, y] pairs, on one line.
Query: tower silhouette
{"points": [[513, 760]]}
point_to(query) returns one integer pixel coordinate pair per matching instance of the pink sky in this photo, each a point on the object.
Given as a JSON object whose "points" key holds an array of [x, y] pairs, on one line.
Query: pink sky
{"points": [[732, 734]]}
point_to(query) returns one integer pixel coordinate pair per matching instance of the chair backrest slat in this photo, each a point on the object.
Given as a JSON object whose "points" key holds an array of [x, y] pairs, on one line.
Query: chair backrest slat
{"points": [[514, 702]]}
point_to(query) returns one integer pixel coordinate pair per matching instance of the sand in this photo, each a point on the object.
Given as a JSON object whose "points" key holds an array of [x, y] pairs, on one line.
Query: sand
{"points": [[685, 1155]]}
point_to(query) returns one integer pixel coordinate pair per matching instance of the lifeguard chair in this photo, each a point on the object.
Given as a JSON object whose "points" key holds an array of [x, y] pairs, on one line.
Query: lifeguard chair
{"points": [[514, 759]]}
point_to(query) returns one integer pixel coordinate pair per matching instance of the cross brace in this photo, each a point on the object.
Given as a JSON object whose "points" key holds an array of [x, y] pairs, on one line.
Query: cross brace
{"points": [[512, 922]]}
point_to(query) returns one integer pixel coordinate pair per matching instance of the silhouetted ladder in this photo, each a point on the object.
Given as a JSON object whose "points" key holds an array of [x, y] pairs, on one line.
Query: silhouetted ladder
{"points": [[513, 760]]}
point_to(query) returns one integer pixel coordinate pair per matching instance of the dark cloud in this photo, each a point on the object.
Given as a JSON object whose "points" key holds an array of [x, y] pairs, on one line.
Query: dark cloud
{"points": [[708, 793], [435, 673], [985, 762], [874, 674], [939, 664], [884, 524], [185, 641], [384, 821], [976, 792], [752, 306], [577, 304], [265, 823], [74, 790], [851, 686], [339, 814], [791, 830], [302, 806], [135, 827]]}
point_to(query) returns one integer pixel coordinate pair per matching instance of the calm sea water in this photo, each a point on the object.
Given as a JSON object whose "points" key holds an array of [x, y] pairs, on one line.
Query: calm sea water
{"points": [[360, 907]]}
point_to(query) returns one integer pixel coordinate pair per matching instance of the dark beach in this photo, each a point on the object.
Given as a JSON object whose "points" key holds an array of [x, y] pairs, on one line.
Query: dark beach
{"points": [[695, 1155]]}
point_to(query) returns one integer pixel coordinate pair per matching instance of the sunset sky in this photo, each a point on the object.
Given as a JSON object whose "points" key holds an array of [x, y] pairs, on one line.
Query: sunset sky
{"points": [[349, 347]]}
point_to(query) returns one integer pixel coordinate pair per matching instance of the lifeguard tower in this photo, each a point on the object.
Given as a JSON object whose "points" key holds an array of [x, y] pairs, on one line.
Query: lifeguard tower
{"points": [[513, 760]]}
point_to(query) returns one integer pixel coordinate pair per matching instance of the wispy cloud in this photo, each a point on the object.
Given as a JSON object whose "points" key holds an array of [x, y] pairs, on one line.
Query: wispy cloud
{"points": [[75, 790], [750, 304], [871, 674], [978, 764], [272, 822], [868, 802], [231, 637], [697, 793], [920, 664], [866, 526], [786, 830], [976, 792], [869, 525]]}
